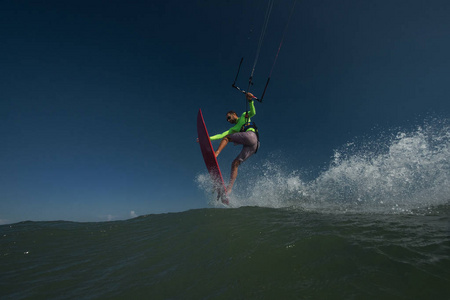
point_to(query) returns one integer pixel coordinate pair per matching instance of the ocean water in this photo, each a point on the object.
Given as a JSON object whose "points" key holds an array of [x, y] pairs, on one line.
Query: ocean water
{"points": [[374, 224], [242, 253]]}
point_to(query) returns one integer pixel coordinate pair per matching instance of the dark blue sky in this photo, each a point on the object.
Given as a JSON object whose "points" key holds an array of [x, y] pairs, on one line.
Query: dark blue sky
{"points": [[98, 99]]}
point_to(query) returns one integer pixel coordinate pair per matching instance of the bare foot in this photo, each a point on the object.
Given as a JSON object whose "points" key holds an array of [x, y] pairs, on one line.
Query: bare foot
{"points": [[216, 153], [228, 191]]}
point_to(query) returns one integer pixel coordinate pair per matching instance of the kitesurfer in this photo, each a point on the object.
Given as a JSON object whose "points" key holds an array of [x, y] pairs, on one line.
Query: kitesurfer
{"points": [[244, 132]]}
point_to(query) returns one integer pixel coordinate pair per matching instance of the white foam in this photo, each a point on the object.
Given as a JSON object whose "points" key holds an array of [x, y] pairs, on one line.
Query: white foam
{"points": [[393, 173]]}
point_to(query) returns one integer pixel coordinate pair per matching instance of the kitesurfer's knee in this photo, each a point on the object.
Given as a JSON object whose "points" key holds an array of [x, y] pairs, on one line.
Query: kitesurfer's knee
{"points": [[222, 145], [235, 164]]}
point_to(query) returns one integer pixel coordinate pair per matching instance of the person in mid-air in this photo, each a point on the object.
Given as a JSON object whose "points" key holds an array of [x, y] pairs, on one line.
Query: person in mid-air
{"points": [[244, 132]]}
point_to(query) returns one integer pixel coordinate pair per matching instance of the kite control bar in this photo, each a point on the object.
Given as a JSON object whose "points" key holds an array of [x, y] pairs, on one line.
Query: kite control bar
{"points": [[250, 83], [244, 92]]}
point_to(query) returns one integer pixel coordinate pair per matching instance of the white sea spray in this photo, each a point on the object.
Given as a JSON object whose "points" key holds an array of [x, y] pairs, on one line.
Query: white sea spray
{"points": [[396, 172]]}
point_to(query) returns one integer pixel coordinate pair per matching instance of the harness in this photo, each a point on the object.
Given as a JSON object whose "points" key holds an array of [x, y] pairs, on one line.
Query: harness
{"points": [[249, 125]]}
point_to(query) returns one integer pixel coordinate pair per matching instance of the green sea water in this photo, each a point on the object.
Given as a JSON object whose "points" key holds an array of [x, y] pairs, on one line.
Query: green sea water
{"points": [[242, 253]]}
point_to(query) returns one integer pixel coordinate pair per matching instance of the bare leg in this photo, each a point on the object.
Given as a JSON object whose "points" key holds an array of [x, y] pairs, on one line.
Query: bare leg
{"points": [[222, 145], [234, 172]]}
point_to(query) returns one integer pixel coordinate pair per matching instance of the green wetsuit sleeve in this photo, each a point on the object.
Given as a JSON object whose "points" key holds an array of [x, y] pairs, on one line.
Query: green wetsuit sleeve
{"points": [[232, 130], [252, 110], [220, 135]]}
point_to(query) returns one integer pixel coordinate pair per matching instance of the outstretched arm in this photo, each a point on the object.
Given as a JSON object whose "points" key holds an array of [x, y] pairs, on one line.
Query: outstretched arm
{"points": [[220, 135], [252, 110]]}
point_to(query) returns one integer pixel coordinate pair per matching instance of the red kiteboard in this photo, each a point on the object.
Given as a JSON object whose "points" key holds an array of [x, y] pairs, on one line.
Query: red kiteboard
{"points": [[210, 159]]}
